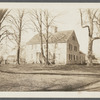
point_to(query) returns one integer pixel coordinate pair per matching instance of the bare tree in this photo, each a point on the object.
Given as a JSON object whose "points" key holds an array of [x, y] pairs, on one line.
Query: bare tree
{"points": [[4, 13], [42, 21], [36, 18], [48, 21], [18, 26], [91, 21]]}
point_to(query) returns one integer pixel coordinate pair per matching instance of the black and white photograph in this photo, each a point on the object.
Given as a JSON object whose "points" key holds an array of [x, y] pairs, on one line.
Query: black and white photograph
{"points": [[49, 47]]}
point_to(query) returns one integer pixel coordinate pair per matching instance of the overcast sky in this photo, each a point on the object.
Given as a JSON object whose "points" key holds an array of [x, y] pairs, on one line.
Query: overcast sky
{"points": [[69, 19]]}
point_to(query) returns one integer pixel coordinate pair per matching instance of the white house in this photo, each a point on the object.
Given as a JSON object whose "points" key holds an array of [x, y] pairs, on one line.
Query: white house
{"points": [[63, 48]]}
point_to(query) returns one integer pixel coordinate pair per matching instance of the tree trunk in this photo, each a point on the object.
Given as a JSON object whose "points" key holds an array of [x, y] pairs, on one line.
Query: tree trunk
{"points": [[41, 39], [47, 45], [90, 44], [47, 52], [19, 40], [0, 38], [18, 55], [18, 51], [42, 52]]}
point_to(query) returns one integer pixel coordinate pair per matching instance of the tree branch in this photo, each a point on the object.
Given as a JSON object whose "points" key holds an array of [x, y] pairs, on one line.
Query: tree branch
{"points": [[36, 26], [94, 14], [82, 21], [44, 36], [96, 22], [5, 16], [95, 38]]}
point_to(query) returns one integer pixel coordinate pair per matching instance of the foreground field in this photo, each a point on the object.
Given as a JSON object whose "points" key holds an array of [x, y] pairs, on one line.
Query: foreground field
{"points": [[49, 78]]}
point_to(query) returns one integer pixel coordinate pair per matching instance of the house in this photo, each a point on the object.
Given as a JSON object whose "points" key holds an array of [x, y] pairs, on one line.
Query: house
{"points": [[63, 48]]}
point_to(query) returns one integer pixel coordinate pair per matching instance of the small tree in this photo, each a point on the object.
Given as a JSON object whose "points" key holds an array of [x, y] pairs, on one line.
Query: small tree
{"points": [[42, 21], [36, 18], [18, 24], [48, 21]]}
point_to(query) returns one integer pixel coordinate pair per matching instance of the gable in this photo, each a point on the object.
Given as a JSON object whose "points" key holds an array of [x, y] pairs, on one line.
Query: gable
{"points": [[73, 39]]}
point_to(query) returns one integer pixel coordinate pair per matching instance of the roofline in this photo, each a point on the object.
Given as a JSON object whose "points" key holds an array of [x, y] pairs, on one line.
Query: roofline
{"points": [[53, 33], [48, 43], [82, 52]]}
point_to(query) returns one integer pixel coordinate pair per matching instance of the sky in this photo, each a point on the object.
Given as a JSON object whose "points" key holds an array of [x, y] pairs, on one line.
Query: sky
{"points": [[69, 19]]}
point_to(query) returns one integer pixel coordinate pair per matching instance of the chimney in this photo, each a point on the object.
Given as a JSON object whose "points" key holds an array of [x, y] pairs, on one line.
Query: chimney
{"points": [[53, 29]]}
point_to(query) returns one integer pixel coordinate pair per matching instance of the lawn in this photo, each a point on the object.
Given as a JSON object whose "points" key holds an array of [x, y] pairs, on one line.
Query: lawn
{"points": [[48, 78]]}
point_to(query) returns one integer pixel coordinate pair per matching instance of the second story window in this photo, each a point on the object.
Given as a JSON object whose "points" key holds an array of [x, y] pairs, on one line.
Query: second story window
{"points": [[75, 48], [69, 56], [70, 47], [73, 38]]}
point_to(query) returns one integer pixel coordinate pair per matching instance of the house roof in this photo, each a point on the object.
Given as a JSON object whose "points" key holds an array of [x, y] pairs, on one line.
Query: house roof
{"points": [[81, 52], [58, 37]]}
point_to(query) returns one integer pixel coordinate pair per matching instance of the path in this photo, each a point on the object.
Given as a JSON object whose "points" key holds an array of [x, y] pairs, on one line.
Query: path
{"points": [[91, 87]]}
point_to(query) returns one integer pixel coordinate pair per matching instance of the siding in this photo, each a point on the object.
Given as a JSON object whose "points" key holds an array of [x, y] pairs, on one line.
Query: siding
{"points": [[72, 55], [29, 54], [59, 50], [59, 53]]}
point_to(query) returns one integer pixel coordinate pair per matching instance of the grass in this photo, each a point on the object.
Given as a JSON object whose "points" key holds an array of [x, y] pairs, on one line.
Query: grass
{"points": [[29, 77], [36, 67]]}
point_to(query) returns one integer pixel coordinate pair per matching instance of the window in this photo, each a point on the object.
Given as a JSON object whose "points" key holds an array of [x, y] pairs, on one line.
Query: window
{"points": [[70, 47], [75, 48], [73, 38], [74, 57], [70, 57]]}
